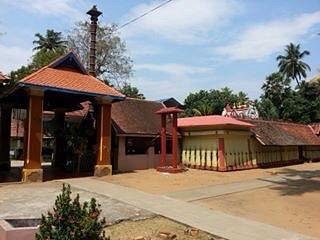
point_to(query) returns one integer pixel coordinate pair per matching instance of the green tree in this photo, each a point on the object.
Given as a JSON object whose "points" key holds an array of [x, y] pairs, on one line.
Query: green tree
{"points": [[267, 110], [52, 41], [291, 65], [212, 101], [112, 63], [47, 50], [276, 88], [131, 91], [71, 220]]}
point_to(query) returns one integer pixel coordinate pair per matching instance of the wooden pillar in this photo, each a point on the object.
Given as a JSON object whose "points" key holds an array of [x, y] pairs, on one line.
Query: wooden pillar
{"points": [[163, 149], [5, 132], [59, 152], [103, 158], [221, 159], [32, 171], [174, 140]]}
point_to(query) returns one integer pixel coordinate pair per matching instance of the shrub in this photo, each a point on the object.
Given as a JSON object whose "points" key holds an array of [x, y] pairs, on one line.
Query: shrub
{"points": [[71, 220]]}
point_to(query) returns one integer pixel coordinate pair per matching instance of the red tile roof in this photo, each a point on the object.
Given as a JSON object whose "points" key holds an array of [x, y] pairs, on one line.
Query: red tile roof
{"points": [[69, 79], [211, 121], [169, 110], [135, 116], [283, 133]]}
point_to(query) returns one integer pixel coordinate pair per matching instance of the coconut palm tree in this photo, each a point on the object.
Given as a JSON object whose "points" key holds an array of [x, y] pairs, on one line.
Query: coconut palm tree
{"points": [[52, 41], [291, 64]]}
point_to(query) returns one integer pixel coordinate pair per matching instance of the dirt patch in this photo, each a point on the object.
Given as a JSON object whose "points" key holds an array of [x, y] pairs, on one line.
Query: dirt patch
{"points": [[293, 205], [155, 182], [157, 228]]}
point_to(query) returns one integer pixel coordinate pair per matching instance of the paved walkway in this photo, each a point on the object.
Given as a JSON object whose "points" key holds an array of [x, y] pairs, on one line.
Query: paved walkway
{"points": [[223, 189], [32, 200], [214, 222]]}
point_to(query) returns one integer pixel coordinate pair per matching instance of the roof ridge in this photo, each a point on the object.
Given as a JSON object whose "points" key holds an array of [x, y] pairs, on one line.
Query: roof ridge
{"points": [[275, 121], [143, 100]]}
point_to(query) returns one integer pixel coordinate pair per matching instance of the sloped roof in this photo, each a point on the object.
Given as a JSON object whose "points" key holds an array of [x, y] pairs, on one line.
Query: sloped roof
{"points": [[283, 133], [134, 116], [211, 121], [67, 73]]}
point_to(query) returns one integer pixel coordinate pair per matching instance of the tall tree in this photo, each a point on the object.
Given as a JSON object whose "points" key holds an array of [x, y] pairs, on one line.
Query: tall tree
{"points": [[112, 64], [52, 41], [276, 88], [131, 91], [291, 65]]}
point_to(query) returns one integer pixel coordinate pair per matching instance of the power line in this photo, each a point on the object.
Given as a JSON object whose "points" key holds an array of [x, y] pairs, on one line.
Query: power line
{"points": [[146, 13]]}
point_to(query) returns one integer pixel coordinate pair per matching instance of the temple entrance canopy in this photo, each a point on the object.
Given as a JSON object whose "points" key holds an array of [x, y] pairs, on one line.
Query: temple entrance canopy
{"points": [[59, 87]]}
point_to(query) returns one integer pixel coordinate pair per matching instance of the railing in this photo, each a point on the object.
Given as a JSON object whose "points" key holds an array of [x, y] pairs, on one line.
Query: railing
{"points": [[200, 158]]}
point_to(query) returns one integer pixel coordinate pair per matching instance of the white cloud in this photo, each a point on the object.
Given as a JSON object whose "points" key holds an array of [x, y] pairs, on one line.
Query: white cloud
{"points": [[50, 7], [173, 68], [13, 57], [184, 21], [262, 40]]}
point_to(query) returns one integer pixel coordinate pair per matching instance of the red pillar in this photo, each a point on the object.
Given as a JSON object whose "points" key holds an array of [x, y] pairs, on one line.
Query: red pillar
{"points": [[32, 171], [5, 132], [103, 160], [221, 159], [163, 140], [174, 140]]}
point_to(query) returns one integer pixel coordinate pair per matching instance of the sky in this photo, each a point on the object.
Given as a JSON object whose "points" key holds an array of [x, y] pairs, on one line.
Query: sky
{"points": [[183, 47]]}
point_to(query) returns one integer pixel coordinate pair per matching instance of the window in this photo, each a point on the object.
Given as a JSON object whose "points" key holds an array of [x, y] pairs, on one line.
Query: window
{"points": [[136, 145]]}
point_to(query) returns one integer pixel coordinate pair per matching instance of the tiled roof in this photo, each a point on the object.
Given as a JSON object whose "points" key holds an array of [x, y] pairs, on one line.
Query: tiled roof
{"points": [[169, 110], [133, 116], [283, 133], [211, 121], [69, 79], [67, 73]]}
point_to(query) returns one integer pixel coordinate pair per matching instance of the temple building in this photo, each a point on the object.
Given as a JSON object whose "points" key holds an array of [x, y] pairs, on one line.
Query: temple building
{"points": [[225, 143], [245, 111]]}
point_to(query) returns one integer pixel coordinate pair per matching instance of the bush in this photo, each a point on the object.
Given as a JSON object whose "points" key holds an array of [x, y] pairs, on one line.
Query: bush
{"points": [[71, 220]]}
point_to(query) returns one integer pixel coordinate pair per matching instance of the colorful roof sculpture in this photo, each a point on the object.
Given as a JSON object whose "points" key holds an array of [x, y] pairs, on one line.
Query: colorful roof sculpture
{"points": [[211, 121], [68, 74]]}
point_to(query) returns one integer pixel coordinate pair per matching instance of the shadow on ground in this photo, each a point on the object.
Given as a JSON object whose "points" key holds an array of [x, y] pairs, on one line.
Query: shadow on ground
{"points": [[296, 182]]}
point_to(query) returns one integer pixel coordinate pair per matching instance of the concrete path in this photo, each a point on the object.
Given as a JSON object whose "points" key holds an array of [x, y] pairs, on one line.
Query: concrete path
{"points": [[223, 189], [214, 222], [31, 200]]}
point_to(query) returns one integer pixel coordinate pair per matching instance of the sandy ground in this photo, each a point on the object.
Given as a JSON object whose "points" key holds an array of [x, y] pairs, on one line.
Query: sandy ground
{"points": [[154, 182], [150, 229], [293, 205]]}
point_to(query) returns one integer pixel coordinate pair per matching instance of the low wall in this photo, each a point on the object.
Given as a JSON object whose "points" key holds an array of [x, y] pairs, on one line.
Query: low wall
{"points": [[131, 162]]}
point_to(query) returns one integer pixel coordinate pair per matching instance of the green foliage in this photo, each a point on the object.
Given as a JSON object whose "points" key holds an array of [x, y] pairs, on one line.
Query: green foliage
{"points": [[71, 220], [112, 64], [47, 50], [131, 91], [212, 101], [267, 110], [52, 41], [291, 64]]}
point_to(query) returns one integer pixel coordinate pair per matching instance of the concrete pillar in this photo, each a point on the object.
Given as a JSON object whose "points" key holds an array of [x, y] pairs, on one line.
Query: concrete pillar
{"points": [[103, 160], [163, 149], [59, 156], [32, 171], [5, 132], [174, 140], [221, 159]]}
